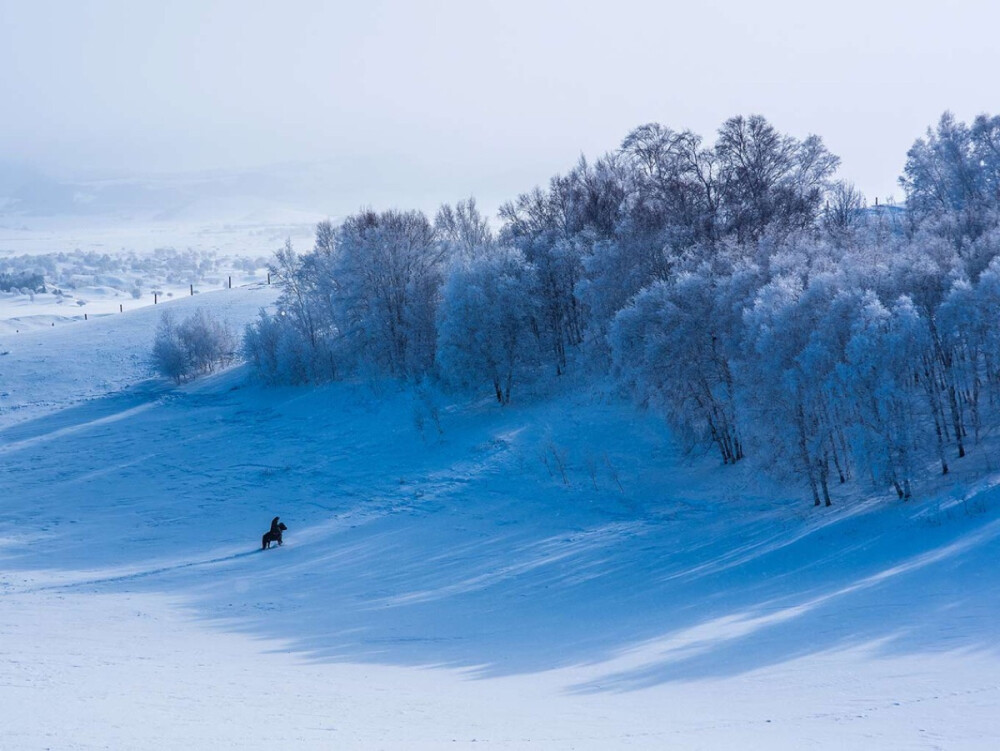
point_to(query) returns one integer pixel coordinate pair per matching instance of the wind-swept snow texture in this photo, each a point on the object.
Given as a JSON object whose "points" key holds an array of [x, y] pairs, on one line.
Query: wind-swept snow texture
{"points": [[549, 575]]}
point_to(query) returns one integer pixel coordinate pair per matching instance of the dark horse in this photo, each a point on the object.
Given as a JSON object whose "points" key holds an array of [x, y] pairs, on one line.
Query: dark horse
{"points": [[273, 534]]}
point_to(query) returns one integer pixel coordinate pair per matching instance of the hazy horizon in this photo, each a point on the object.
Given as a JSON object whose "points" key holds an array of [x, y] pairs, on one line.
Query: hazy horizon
{"points": [[415, 104]]}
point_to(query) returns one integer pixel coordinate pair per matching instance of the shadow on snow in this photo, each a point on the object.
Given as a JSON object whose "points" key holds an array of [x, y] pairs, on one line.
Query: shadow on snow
{"points": [[520, 540]]}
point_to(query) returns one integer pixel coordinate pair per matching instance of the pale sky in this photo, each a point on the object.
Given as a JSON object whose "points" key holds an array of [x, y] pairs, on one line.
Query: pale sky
{"points": [[445, 99]]}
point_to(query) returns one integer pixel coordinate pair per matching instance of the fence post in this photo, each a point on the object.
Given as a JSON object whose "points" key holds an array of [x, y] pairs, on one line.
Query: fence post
{"points": [[268, 277], [192, 290], [85, 316], [121, 308], [154, 298], [230, 282]]}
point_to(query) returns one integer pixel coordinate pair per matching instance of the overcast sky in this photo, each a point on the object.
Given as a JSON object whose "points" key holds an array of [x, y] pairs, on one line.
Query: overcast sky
{"points": [[447, 99]]}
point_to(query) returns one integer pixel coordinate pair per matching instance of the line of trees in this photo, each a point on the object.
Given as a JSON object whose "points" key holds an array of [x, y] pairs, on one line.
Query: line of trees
{"points": [[740, 288], [26, 281]]}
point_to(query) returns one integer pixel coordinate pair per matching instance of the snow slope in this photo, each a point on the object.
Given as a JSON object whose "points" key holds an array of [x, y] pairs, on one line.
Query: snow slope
{"points": [[52, 367], [552, 575]]}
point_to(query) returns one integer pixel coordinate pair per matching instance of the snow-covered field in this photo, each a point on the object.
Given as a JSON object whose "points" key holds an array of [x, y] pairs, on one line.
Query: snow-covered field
{"points": [[81, 285], [551, 575], [21, 312]]}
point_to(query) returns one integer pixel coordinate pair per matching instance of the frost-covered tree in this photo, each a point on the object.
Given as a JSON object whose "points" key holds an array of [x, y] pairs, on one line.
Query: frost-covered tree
{"points": [[298, 290], [364, 299], [464, 230], [389, 269], [208, 341], [671, 185], [198, 344], [767, 179], [556, 230], [844, 210], [788, 379], [877, 370], [673, 346], [487, 322], [296, 344], [952, 173], [169, 358], [280, 352]]}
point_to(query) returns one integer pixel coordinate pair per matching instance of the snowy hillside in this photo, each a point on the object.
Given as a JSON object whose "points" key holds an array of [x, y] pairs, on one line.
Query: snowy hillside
{"points": [[554, 574], [44, 369]]}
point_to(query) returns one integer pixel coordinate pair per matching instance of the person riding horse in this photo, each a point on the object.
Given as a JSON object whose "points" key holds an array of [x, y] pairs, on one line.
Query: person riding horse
{"points": [[273, 534]]}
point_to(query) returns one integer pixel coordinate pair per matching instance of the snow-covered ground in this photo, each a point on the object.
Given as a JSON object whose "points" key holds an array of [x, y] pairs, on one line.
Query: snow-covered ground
{"points": [[81, 285], [25, 312], [551, 575], [46, 370]]}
